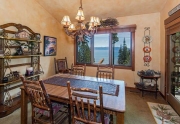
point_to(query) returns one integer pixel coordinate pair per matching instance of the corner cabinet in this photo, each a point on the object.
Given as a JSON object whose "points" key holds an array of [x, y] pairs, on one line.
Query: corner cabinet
{"points": [[172, 66], [19, 55]]}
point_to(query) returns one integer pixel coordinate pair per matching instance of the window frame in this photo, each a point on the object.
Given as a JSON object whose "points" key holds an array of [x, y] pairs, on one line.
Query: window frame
{"points": [[117, 29]]}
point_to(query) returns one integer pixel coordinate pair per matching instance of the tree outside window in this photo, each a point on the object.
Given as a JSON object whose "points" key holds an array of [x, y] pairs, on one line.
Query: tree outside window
{"points": [[84, 52]]}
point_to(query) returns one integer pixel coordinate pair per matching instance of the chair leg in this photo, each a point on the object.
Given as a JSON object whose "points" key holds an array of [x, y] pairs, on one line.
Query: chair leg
{"points": [[69, 111], [33, 115], [111, 119]]}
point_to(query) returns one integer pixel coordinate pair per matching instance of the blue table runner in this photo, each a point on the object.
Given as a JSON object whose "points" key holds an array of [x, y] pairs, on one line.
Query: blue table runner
{"points": [[108, 88]]}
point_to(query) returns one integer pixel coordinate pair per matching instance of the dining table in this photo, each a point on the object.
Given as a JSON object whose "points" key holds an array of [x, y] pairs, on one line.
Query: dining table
{"points": [[113, 93]]}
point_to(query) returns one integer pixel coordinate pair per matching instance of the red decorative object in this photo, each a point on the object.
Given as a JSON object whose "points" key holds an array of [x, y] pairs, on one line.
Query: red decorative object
{"points": [[147, 39], [147, 49], [147, 58]]}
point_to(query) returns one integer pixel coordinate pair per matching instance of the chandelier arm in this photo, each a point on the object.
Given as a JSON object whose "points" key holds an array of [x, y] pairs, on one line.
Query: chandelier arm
{"points": [[66, 31], [86, 32], [69, 33]]}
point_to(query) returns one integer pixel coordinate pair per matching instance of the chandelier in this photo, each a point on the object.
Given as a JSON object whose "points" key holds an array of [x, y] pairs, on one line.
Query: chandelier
{"points": [[80, 28]]}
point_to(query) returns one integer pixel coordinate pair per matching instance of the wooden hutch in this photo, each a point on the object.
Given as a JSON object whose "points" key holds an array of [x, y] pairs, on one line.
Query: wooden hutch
{"points": [[19, 50]]}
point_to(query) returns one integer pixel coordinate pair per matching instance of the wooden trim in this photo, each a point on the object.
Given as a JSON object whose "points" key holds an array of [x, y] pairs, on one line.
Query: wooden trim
{"points": [[162, 95], [133, 51], [175, 22], [120, 28], [166, 64], [133, 89], [18, 26], [116, 67], [172, 17]]}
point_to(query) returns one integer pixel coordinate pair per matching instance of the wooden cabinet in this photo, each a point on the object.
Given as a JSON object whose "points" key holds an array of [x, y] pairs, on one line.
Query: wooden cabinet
{"points": [[19, 51], [172, 27]]}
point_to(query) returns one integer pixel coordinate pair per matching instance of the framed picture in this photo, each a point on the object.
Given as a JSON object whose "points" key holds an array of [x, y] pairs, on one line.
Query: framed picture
{"points": [[50, 46]]}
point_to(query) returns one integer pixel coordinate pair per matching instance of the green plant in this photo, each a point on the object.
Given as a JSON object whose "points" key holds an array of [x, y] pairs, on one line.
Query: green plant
{"points": [[124, 54], [84, 52], [109, 22], [115, 38]]}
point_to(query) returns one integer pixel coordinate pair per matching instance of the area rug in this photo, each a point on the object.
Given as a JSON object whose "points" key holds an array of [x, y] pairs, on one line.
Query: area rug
{"points": [[163, 114]]}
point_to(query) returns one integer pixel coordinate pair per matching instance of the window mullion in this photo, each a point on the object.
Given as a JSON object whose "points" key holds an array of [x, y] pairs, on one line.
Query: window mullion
{"points": [[110, 49], [92, 50]]}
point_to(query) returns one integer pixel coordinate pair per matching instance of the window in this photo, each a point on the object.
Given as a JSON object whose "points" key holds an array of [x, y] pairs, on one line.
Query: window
{"points": [[116, 49], [101, 48], [122, 49]]}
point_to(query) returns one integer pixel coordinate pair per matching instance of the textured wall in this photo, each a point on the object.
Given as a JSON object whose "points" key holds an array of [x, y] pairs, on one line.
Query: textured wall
{"points": [[170, 4], [33, 15]]}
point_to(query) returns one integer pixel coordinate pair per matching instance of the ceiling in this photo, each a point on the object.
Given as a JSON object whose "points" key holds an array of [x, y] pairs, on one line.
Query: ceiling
{"points": [[101, 8]]}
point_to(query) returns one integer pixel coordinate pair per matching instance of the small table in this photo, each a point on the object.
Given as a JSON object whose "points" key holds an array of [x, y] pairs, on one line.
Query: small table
{"points": [[148, 88]]}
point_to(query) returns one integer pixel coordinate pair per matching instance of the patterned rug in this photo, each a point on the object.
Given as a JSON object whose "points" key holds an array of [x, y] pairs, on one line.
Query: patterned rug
{"points": [[163, 114]]}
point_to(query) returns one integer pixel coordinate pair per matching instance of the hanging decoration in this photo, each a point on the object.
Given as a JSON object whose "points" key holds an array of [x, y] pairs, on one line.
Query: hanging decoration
{"points": [[147, 39]]}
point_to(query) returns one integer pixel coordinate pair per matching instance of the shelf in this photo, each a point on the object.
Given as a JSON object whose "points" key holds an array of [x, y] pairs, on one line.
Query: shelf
{"points": [[27, 77], [12, 82], [11, 48], [18, 39], [5, 110], [145, 88], [16, 65], [19, 80], [17, 57]]}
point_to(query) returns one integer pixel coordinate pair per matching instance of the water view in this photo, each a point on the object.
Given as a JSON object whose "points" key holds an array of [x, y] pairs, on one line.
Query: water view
{"points": [[103, 52]]}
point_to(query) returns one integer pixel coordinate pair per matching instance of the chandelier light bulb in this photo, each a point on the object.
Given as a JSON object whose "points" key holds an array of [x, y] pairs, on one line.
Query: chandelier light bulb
{"points": [[66, 21], [80, 15], [98, 21], [72, 27]]}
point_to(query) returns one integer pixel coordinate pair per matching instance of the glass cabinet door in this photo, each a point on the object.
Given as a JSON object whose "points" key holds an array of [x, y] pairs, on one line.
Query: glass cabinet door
{"points": [[174, 66]]}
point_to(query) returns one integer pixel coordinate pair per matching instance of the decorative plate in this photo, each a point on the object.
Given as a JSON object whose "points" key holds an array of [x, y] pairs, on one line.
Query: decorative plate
{"points": [[147, 39], [147, 58], [147, 49]]}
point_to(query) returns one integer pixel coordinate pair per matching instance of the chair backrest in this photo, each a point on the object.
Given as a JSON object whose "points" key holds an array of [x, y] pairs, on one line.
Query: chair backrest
{"points": [[37, 95], [105, 72], [85, 99], [78, 69], [61, 65]]}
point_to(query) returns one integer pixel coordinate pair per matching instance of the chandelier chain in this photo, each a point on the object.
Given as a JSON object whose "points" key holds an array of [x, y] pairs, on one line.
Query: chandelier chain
{"points": [[80, 4]]}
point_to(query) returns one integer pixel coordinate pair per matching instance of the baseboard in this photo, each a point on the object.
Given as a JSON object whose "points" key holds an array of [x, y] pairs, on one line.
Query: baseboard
{"points": [[162, 95], [136, 90]]}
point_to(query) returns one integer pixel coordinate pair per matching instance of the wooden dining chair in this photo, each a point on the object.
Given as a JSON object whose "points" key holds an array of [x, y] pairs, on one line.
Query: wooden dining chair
{"points": [[105, 72], [61, 65], [78, 70], [85, 102], [43, 110]]}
